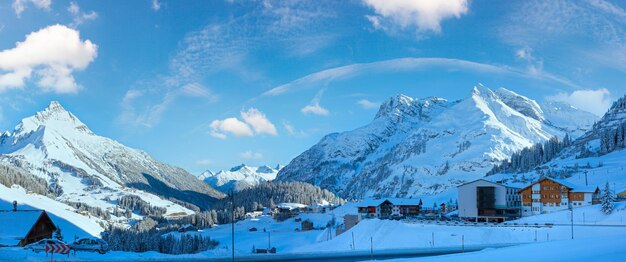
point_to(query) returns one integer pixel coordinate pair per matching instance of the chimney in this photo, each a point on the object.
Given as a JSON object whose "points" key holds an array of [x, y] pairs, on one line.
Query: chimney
{"points": [[14, 205]]}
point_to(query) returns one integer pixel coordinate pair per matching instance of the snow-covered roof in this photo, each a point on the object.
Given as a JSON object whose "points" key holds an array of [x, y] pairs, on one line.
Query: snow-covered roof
{"points": [[16, 225], [489, 181], [290, 206], [395, 201], [575, 188]]}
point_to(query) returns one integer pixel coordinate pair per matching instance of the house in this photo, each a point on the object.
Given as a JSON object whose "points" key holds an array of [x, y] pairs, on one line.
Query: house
{"points": [[307, 225], [484, 200], [549, 195], [187, 228], [349, 221], [321, 206], [386, 208], [23, 227], [288, 210]]}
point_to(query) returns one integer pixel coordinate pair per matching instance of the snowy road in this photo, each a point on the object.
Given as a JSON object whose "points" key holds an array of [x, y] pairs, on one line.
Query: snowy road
{"points": [[359, 255]]}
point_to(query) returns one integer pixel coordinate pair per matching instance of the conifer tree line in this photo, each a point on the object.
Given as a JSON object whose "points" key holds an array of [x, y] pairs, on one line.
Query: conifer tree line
{"points": [[93, 211], [612, 139], [267, 194], [135, 203], [529, 158], [134, 240], [10, 176]]}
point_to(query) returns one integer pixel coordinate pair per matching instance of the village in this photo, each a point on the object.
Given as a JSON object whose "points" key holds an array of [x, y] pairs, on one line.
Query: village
{"points": [[480, 203]]}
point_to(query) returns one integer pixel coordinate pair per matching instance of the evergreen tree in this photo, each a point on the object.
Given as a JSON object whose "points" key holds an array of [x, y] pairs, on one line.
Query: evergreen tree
{"points": [[607, 200], [57, 234]]}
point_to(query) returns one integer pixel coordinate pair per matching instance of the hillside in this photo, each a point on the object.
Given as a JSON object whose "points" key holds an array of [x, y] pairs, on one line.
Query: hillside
{"points": [[428, 146], [595, 158], [79, 166]]}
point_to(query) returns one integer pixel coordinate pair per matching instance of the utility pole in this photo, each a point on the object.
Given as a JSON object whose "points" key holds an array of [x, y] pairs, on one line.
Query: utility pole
{"points": [[372, 248], [269, 241], [353, 248], [571, 208], [232, 221], [586, 184], [433, 239], [463, 243]]}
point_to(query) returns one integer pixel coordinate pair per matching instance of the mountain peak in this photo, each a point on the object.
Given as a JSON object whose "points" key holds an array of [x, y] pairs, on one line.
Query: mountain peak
{"points": [[55, 117], [237, 168]]}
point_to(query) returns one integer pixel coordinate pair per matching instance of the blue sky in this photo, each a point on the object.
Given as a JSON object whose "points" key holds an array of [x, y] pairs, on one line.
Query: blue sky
{"points": [[212, 84]]}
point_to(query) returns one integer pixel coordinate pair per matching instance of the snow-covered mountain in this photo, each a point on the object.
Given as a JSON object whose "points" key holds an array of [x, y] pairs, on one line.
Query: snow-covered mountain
{"points": [[428, 146], [595, 158], [84, 167], [239, 177]]}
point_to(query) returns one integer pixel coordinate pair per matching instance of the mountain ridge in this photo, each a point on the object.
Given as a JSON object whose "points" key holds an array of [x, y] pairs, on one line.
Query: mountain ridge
{"points": [[55, 145], [424, 146]]}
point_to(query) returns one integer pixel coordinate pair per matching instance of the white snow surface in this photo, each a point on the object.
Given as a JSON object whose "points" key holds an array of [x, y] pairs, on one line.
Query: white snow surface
{"points": [[418, 147], [56, 146], [392, 235], [64, 216], [239, 177]]}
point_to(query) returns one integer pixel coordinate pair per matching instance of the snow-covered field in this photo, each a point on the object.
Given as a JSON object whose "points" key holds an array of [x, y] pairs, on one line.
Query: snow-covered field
{"points": [[610, 248], [383, 235]]}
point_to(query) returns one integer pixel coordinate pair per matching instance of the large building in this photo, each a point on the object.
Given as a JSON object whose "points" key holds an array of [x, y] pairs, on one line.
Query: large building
{"points": [[483, 200], [386, 208], [548, 195]]}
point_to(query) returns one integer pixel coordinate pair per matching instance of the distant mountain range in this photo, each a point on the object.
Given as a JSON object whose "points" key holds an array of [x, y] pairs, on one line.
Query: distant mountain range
{"points": [[428, 146], [83, 167], [239, 177]]}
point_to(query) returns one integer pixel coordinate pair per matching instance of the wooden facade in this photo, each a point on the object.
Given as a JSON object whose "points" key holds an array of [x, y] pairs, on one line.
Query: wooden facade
{"points": [[552, 194]]}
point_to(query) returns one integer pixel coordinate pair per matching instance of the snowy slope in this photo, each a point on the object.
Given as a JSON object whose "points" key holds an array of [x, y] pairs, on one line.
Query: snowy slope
{"points": [[239, 177], [584, 162], [84, 167], [428, 146], [62, 215]]}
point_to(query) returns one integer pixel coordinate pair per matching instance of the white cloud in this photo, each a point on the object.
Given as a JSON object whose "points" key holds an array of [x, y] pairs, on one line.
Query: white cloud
{"points": [[594, 30], [20, 5], [198, 90], [250, 155], [326, 76], [254, 123], [231, 125], [292, 131], [314, 107], [52, 54], [535, 65], [156, 5], [595, 101], [296, 27], [73, 8], [259, 122], [78, 16], [424, 15], [204, 162], [366, 104], [289, 127]]}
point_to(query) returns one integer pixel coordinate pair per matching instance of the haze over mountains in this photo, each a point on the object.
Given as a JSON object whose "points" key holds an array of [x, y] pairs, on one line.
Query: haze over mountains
{"points": [[239, 177], [428, 146], [56, 146]]}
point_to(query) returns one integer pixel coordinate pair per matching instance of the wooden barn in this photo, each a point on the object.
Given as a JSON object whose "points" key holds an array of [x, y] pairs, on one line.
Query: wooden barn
{"points": [[22, 227]]}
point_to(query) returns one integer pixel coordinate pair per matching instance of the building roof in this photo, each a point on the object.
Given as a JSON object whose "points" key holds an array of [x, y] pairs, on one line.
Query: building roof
{"points": [[16, 225], [488, 181], [573, 187], [290, 206], [396, 201]]}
